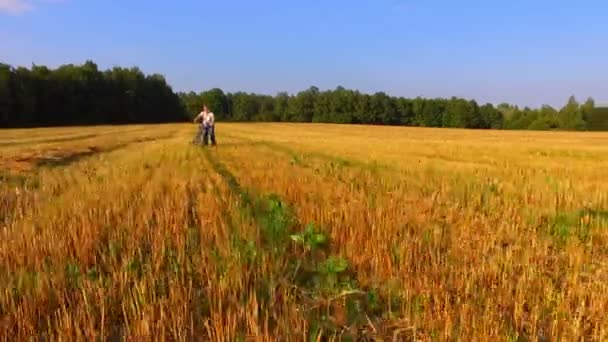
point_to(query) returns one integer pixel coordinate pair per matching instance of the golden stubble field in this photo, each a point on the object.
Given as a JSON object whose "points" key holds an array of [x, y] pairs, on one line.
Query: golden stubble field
{"points": [[303, 232]]}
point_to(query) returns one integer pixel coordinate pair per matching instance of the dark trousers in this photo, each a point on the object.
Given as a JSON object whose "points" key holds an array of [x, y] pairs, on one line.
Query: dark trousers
{"points": [[209, 132]]}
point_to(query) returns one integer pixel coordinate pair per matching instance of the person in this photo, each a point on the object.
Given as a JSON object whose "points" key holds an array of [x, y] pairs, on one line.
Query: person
{"points": [[207, 128]]}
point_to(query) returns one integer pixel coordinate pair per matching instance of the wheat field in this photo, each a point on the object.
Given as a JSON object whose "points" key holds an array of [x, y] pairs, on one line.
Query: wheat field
{"points": [[303, 232]]}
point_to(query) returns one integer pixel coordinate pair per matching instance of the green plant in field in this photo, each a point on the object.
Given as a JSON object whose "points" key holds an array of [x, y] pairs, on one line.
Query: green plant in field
{"points": [[247, 250], [314, 332], [114, 249], [72, 274], [578, 224], [276, 219], [93, 274], [332, 267], [193, 239], [310, 238], [171, 261], [329, 280], [332, 278], [24, 283], [135, 266], [296, 160]]}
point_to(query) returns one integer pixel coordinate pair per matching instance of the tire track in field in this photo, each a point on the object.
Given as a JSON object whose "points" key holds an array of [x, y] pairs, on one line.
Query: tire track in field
{"points": [[49, 141], [298, 156], [324, 165], [274, 243], [69, 137], [114, 234], [250, 202], [92, 150], [103, 241], [154, 185], [60, 158], [30, 183], [308, 299]]}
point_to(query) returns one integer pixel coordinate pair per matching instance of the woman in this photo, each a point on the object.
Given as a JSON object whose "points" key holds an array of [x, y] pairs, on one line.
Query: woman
{"points": [[207, 119]]}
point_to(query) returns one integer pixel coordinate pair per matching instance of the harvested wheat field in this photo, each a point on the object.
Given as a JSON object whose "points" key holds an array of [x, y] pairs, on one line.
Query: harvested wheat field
{"points": [[303, 232]]}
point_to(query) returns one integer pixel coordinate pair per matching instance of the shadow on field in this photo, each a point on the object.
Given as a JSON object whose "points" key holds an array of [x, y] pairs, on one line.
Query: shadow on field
{"points": [[70, 138], [48, 141], [63, 160], [63, 157]]}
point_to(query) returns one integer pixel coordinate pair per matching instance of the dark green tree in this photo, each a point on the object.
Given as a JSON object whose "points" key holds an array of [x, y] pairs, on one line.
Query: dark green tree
{"points": [[301, 108], [82, 94], [216, 101]]}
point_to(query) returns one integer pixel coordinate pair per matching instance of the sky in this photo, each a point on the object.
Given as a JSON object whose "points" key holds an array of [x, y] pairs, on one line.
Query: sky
{"points": [[527, 53]]}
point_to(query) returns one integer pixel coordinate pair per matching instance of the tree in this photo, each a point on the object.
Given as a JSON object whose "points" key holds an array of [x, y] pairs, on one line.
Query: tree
{"points": [[405, 111], [460, 113], [587, 109], [82, 94], [267, 109], [216, 101], [301, 108], [596, 116], [245, 106], [570, 116], [491, 117], [432, 113], [5, 93], [282, 106]]}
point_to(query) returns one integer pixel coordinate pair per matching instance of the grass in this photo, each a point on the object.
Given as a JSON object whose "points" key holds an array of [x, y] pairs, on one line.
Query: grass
{"points": [[303, 232]]}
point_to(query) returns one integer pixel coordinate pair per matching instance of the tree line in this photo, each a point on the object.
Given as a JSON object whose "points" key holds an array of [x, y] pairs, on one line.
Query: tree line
{"points": [[83, 94], [351, 106]]}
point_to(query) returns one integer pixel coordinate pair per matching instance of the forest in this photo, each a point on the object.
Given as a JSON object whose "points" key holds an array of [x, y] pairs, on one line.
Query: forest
{"points": [[84, 95], [350, 106]]}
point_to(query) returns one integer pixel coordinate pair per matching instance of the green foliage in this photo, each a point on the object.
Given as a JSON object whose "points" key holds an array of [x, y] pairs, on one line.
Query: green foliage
{"points": [[597, 119], [82, 94], [24, 283], [247, 250], [310, 238], [329, 280], [216, 101], [275, 218], [93, 274], [573, 116], [328, 274], [114, 249], [172, 264], [72, 274], [577, 224], [544, 123], [319, 278], [351, 106], [332, 266], [244, 107]]}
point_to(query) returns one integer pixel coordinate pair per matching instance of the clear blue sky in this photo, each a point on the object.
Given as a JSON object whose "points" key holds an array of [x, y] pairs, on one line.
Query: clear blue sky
{"points": [[524, 52]]}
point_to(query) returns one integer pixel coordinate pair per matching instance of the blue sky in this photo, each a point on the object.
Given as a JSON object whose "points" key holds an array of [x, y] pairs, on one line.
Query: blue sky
{"points": [[523, 52]]}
